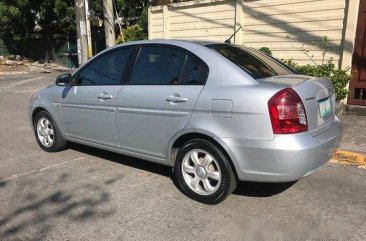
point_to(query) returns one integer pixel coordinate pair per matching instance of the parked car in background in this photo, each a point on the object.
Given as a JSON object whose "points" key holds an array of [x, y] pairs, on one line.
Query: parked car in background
{"points": [[216, 112]]}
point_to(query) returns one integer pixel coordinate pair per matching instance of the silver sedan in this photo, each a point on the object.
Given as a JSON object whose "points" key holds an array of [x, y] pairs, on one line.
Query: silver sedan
{"points": [[218, 113]]}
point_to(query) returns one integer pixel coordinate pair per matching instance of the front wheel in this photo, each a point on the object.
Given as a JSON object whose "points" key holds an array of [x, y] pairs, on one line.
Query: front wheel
{"points": [[47, 133], [203, 172]]}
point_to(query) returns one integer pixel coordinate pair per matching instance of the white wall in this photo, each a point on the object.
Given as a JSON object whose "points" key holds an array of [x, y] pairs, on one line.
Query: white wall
{"points": [[266, 23]]}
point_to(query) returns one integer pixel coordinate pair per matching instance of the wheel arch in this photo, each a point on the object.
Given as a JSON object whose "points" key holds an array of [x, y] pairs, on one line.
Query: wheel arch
{"points": [[40, 108], [36, 111], [179, 141]]}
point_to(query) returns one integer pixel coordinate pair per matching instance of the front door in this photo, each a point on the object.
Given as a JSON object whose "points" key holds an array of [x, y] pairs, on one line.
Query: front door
{"points": [[159, 98], [357, 87], [89, 107]]}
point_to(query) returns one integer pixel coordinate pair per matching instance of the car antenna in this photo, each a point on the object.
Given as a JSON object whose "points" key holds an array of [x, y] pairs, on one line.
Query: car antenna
{"points": [[228, 41]]}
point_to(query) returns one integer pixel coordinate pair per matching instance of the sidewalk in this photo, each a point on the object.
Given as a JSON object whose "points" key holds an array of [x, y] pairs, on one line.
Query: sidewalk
{"points": [[352, 150], [354, 133]]}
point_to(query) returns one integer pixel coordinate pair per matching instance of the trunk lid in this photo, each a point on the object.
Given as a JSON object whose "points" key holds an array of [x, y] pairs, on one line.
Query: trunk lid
{"points": [[317, 95]]}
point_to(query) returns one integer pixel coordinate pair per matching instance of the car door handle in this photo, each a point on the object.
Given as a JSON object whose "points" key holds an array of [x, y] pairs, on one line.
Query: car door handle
{"points": [[104, 96], [176, 99]]}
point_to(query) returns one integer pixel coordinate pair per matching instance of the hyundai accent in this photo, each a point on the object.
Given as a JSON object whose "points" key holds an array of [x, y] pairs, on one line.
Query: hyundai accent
{"points": [[216, 112]]}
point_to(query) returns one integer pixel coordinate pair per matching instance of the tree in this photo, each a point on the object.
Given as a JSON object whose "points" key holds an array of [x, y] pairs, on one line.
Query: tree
{"points": [[131, 11], [131, 33], [134, 18], [24, 20]]}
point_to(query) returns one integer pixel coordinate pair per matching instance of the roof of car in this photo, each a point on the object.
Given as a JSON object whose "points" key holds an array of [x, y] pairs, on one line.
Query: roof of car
{"points": [[174, 41], [206, 42]]}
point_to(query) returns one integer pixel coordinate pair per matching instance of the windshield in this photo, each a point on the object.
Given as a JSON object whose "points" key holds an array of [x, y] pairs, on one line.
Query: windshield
{"points": [[255, 63]]}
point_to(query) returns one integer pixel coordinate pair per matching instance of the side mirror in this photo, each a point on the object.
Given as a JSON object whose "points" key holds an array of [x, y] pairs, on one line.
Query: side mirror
{"points": [[63, 80]]}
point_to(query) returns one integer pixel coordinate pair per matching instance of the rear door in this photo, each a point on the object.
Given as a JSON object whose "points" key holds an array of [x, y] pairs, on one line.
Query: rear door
{"points": [[159, 98], [89, 107]]}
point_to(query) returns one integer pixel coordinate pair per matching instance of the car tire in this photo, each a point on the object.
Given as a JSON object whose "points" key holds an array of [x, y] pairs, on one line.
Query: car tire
{"points": [[47, 133], [203, 172]]}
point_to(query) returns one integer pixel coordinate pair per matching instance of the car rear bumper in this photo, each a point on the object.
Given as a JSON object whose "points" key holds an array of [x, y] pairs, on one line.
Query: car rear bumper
{"points": [[286, 157]]}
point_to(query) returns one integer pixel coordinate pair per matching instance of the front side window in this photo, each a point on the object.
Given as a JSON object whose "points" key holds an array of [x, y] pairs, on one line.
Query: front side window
{"points": [[106, 70], [256, 64]]}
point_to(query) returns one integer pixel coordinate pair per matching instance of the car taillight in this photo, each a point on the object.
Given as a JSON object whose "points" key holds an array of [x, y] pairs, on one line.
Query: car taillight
{"points": [[287, 112]]}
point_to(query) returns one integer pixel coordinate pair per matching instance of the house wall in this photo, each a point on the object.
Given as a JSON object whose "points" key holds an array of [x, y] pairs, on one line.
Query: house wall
{"points": [[192, 20], [284, 26], [288, 25], [156, 23]]}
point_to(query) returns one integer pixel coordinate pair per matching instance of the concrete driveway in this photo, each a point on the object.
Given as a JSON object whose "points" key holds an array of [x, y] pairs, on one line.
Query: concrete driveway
{"points": [[88, 194]]}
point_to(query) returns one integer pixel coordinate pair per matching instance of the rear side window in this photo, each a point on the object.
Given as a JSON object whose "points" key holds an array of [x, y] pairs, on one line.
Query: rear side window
{"points": [[256, 64], [195, 71], [158, 66], [167, 66], [105, 70]]}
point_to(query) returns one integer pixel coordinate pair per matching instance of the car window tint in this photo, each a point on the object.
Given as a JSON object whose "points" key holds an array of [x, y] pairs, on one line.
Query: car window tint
{"points": [[256, 64], [158, 66], [194, 72], [106, 70]]}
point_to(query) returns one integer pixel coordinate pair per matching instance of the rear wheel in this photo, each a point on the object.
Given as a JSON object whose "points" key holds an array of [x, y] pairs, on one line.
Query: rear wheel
{"points": [[47, 133], [203, 172]]}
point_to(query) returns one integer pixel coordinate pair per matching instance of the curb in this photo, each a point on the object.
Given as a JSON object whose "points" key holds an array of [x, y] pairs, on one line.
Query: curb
{"points": [[13, 73], [355, 110], [43, 71], [349, 158]]}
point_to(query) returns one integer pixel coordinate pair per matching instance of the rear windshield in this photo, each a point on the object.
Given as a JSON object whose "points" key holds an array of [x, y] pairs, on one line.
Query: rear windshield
{"points": [[253, 62]]}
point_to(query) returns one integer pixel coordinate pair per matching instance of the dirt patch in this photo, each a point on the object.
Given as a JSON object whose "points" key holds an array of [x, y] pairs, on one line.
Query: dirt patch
{"points": [[14, 68], [349, 158], [19, 65], [14, 65]]}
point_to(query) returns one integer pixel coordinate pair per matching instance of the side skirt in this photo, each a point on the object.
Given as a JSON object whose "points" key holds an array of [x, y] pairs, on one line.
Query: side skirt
{"points": [[122, 151]]}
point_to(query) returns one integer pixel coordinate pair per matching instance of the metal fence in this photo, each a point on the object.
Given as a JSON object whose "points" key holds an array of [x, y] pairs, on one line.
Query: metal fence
{"points": [[3, 49], [59, 49]]}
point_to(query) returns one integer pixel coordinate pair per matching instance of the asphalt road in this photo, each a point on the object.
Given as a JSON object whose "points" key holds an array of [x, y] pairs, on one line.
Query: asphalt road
{"points": [[87, 194]]}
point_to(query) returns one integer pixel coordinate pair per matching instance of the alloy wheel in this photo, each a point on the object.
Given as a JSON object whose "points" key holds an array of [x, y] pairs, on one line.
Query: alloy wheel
{"points": [[201, 172], [45, 132]]}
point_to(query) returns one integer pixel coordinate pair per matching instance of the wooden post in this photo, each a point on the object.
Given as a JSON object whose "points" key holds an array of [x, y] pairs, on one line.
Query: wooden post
{"points": [[149, 23], [239, 16], [349, 33], [88, 30], [165, 22], [110, 37], [82, 42]]}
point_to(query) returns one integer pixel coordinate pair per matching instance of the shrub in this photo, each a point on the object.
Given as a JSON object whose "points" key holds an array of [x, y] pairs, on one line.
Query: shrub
{"points": [[339, 77], [131, 33], [266, 50]]}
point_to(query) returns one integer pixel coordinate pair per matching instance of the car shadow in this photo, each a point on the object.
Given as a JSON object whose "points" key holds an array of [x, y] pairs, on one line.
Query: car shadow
{"points": [[258, 189], [123, 159], [252, 189], [36, 210]]}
